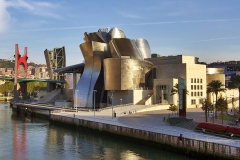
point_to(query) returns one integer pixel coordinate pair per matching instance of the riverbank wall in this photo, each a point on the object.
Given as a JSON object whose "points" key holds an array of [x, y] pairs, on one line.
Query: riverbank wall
{"points": [[6, 99], [179, 144]]}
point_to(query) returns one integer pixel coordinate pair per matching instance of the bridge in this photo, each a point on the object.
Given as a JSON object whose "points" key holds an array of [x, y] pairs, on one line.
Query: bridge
{"points": [[26, 80]]}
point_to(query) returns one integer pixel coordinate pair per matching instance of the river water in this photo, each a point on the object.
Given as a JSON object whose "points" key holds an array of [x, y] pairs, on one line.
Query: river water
{"points": [[32, 138]]}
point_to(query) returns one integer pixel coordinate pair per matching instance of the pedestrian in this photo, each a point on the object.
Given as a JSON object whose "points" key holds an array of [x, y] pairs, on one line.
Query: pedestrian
{"points": [[232, 136], [203, 130], [164, 119], [237, 121]]}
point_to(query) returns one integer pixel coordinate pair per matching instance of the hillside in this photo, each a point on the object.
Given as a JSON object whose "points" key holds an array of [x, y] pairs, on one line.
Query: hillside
{"points": [[10, 64]]}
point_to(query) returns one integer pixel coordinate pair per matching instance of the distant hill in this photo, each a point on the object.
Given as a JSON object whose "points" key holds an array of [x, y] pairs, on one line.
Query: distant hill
{"points": [[10, 64]]}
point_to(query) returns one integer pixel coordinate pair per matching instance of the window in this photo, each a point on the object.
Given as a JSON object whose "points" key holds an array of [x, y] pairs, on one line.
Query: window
{"points": [[201, 94], [198, 93], [195, 94], [201, 80], [198, 87], [201, 87], [192, 94], [194, 87], [193, 101], [191, 80], [197, 80], [194, 80], [191, 87]]}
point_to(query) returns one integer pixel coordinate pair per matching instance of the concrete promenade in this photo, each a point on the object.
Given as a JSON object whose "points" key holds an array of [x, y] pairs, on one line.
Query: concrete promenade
{"points": [[150, 118]]}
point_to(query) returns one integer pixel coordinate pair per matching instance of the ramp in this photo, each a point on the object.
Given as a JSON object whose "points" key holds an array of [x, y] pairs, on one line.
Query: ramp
{"points": [[144, 100], [50, 97]]}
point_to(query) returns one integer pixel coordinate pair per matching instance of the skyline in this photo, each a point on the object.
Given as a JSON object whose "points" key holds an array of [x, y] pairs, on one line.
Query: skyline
{"points": [[207, 30]]}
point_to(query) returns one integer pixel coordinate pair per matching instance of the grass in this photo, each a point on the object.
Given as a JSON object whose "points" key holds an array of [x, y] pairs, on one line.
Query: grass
{"points": [[227, 118]]}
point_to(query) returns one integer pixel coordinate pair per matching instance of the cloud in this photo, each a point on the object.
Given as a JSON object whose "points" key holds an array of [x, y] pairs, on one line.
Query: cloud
{"points": [[4, 16], [216, 39], [130, 15], [176, 22], [44, 9], [135, 24]]}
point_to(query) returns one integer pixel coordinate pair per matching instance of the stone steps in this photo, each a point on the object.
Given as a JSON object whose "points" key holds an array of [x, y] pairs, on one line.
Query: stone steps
{"points": [[188, 125], [183, 122]]}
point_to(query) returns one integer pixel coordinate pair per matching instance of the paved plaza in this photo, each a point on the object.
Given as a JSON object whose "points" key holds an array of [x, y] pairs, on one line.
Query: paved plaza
{"points": [[135, 116]]}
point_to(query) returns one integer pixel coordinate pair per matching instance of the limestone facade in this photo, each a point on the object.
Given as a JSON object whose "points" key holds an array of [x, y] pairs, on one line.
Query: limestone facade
{"points": [[168, 69]]}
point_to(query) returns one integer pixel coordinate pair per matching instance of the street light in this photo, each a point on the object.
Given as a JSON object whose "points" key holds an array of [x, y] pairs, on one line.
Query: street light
{"points": [[76, 102], [149, 99], [232, 101], [94, 91], [112, 102]]}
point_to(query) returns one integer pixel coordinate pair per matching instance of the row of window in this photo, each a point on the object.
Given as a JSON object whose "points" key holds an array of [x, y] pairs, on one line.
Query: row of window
{"points": [[194, 94], [196, 80], [193, 101], [196, 87]]}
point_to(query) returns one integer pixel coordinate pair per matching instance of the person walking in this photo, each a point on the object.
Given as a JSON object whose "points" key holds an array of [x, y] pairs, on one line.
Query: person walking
{"points": [[232, 136], [203, 130]]}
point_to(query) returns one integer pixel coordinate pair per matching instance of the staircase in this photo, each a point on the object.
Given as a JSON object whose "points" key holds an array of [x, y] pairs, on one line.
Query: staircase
{"points": [[191, 125], [183, 122]]}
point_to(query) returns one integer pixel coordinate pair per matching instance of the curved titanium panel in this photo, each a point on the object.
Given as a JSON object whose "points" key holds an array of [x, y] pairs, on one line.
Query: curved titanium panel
{"points": [[93, 53], [86, 37], [119, 72], [113, 50], [116, 33], [143, 47], [124, 47], [104, 36], [125, 74], [112, 73], [94, 36]]}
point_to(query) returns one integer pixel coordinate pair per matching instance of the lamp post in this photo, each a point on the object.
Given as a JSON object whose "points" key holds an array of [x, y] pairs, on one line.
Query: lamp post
{"points": [[94, 91], [232, 101], [76, 101], [120, 101], [149, 99], [213, 115], [112, 102]]}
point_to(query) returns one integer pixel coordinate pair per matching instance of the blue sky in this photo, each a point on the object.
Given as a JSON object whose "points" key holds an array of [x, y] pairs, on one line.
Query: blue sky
{"points": [[207, 29]]}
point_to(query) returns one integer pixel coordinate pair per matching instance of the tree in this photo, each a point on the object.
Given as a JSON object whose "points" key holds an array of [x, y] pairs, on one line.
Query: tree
{"points": [[222, 106], [173, 108], [236, 113], [31, 86], [206, 107], [175, 90], [6, 87], [236, 84], [215, 86]]}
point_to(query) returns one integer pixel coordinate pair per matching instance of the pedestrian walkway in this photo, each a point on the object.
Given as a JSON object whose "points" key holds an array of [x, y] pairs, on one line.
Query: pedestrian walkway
{"points": [[146, 118]]}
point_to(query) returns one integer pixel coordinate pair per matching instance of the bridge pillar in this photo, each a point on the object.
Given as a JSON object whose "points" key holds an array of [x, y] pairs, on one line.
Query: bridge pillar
{"points": [[23, 89], [51, 86], [74, 81]]}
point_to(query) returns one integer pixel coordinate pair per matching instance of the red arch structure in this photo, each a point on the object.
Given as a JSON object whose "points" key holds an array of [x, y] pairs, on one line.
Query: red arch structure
{"points": [[21, 60]]}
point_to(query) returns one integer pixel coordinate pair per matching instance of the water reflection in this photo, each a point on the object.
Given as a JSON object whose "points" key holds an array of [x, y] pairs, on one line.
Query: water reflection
{"points": [[19, 141], [27, 138]]}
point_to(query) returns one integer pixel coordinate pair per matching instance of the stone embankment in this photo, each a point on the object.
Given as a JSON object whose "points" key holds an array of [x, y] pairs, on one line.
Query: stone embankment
{"points": [[179, 144]]}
